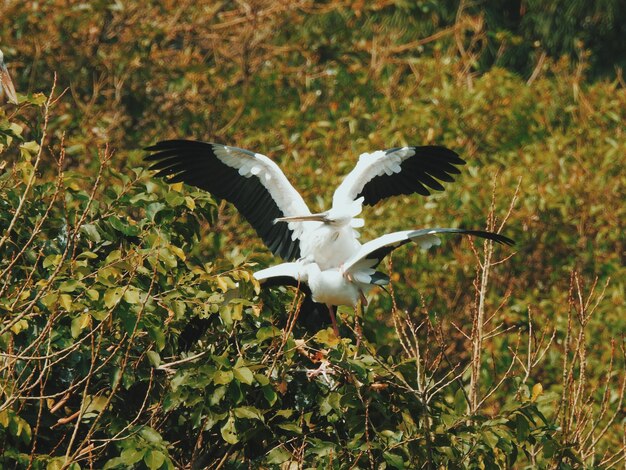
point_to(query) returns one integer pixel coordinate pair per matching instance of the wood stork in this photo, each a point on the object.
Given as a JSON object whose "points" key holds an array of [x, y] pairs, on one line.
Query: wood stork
{"points": [[6, 84], [350, 282], [264, 196]]}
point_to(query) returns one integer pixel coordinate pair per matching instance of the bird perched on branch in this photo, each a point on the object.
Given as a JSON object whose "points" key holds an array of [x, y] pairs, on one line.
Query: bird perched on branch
{"points": [[6, 84], [322, 250], [352, 281]]}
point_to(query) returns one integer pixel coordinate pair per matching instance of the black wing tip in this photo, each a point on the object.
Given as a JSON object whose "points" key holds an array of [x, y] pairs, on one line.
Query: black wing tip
{"points": [[506, 241], [440, 151], [177, 144], [496, 237]]}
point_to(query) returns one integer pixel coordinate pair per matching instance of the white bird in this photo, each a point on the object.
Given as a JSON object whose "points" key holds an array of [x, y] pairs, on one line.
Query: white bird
{"points": [[6, 84], [264, 196], [353, 280]]}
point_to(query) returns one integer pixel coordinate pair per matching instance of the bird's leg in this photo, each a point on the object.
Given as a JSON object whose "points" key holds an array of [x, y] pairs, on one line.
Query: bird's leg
{"points": [[332, 319], [363, 299], [357, 329]]}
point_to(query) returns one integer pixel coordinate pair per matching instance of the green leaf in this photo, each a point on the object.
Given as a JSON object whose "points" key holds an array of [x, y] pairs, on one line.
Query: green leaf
{"points": [[267, 332], [99, 314], [217, 395], [93, 294], [154, 358], [278, 455], [52, 261], [150, 435], [522, 428], [167, 258], [327, 337], [244, 375], [50, 299], [292, 427], [153, 209], [66, 302], [460, 402], [4, 418], [550, 448], [29, 148], [393, 460], [131, 295], [124, 227], [56, 464], [262, 379], [113, 256], [222, 377], [79, 323], [115, 462], [490, 438], [154, 459], [112, 296], [174, 199], [228, 431], [19, 326], [248, 412], [37, 99], [91, 231], [158, 335], [212, 419], [86, 255], [94, 405], [70, 285], [131, 455], [221, 360], [269, 394]]}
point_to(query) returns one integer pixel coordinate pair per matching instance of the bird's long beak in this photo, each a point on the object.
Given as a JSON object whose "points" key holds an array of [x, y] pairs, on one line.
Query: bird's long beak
{"points": [[6, 84], [321, 217]]}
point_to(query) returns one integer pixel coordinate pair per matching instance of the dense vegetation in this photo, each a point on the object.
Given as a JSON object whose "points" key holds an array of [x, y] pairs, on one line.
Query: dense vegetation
{"points": [[478, 357]]}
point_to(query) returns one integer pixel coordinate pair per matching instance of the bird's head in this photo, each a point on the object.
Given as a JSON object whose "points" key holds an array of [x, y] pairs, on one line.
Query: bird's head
{"points": [[345, 214], [338, 215]]}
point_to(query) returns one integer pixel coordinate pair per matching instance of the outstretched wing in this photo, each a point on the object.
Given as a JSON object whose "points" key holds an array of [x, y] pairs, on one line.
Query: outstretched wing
{"points": [[284, 274], [396, 171], [251, 181], [372, 253]]}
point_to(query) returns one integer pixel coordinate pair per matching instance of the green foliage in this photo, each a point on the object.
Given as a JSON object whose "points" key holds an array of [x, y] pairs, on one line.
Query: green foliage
{"points": [[132, 334]]}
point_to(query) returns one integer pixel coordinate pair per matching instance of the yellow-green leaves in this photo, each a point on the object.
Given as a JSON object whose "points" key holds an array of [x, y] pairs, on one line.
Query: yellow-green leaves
{"points": [[65, 300], [229, 432], [248, 412], [79, 323], [154, 459], [243, 374], [15, 425], [223, 377], [132, 295], [113, 296], [93, 405]]}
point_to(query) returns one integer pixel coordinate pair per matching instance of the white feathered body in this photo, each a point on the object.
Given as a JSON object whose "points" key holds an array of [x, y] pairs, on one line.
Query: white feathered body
{"points": [[332, 287], [329, 245]]}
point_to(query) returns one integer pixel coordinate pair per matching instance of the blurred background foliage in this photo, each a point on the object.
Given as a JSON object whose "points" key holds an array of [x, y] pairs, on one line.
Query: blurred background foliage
{"points": [[103, 269]]}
